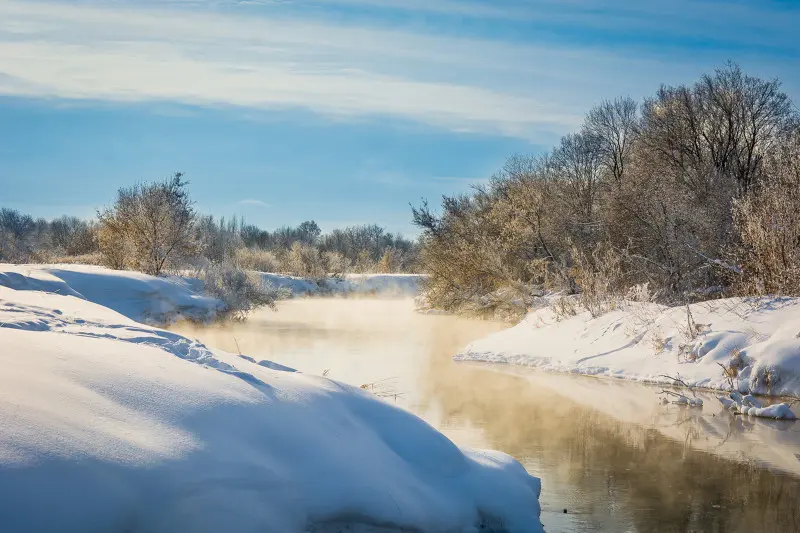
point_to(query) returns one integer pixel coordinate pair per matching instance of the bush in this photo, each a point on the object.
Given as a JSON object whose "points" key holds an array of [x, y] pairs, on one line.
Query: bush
{"points": [[240, 290], [16, 232], [83, 259], [73, 236], [257, 259], [306, 261], [768, 223], [600, 278], [337, 265], [149, 227], [657, 194]]}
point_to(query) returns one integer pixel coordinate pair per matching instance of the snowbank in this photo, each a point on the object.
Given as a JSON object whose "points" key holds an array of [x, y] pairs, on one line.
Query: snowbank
{"points": [[387, 285], [756, 340], [162, 300], [111, 425], [144, 298], [751, 406]]}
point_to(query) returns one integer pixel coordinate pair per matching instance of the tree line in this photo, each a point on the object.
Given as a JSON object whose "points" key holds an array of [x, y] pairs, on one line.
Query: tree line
{"points": [[153, 227], [692, 193]]}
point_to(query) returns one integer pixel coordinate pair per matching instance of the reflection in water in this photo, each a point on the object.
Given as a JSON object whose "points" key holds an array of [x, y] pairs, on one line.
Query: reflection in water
{"points": [[604, 450]]}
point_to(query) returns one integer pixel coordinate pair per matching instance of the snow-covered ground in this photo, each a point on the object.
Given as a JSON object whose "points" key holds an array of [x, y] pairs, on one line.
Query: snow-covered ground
{"points": [[149, 299], [757, 340], [112, 425], [161, 300]]}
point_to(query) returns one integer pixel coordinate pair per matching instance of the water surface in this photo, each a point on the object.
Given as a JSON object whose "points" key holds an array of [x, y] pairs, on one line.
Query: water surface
{"points": [[606, 451]]}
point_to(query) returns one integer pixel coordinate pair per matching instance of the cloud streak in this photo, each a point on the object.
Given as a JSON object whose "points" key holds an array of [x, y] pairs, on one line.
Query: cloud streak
{"points": [[124, 54], [121, 52]]}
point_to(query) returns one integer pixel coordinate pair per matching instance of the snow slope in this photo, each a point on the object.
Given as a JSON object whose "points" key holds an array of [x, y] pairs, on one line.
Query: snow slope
{"points": [[161, 300], [111, 425], [652, 343], [144, 298]]}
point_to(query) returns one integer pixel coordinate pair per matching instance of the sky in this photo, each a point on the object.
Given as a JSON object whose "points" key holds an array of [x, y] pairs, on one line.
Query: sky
{"points": [[340, 111]]}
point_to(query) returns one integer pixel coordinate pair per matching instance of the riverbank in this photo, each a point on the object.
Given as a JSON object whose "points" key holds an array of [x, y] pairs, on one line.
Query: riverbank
{"points": [[606, 450], [166, 299], [120, 426], [749, 345]]}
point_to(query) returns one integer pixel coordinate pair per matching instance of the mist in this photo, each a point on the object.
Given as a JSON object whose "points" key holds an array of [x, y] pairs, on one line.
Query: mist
{"points": [[611, 463]]}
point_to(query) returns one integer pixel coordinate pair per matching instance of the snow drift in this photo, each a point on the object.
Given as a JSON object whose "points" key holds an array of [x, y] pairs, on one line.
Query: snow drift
{"points": [[141, 297], [165, 299], [111, 425], [751, 344]]}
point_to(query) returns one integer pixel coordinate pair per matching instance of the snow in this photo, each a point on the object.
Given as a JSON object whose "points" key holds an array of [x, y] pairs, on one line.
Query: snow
{"points": [[681, 399], [751, 406], [112, 425], [144, 298], [165, 299], [759, 338]]}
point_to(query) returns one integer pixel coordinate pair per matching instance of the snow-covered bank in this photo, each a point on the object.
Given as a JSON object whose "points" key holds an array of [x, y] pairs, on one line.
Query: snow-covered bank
{"points": [[111, 425], [757, 341], [388, 285], [165, 299], [140, 297]]}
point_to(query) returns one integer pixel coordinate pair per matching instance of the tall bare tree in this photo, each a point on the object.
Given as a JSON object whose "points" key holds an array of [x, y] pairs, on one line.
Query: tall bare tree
{"points": [[614, 124]]}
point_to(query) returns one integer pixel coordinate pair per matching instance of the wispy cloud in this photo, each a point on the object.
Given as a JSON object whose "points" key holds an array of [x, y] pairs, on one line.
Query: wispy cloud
{"points": [[125, 54], [213, 53], [253, 202]]}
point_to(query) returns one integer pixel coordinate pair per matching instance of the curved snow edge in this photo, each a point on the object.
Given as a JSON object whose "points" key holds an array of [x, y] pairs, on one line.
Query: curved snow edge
{"points": [[129, 427], [757, 341]]}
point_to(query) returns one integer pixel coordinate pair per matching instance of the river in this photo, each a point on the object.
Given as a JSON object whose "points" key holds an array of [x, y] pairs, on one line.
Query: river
{"points": [[607, 452]]}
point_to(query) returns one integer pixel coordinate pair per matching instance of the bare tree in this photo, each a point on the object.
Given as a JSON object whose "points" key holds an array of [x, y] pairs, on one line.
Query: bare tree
{"points": [[631, 199], [614, 124], [72, 236], [15, 231], [577, 165], [719, 129], [151, 223]]}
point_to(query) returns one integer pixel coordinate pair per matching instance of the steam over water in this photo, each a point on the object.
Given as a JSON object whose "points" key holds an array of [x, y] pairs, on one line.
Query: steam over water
{"points": [[606, 451]]}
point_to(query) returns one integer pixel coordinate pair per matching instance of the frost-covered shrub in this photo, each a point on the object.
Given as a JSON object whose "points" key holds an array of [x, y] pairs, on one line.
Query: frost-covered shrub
{"points": [[240, 290], [218, 239], [564, 306], [600, 278], [257, 259], [305, 261], [768, 222], [655, 183], [365, 263], [336, 264], [150, 226], [83, 259]]}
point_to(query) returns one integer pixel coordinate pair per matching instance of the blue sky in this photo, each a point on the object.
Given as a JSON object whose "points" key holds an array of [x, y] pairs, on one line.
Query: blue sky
{"points": [[343, 111]]}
